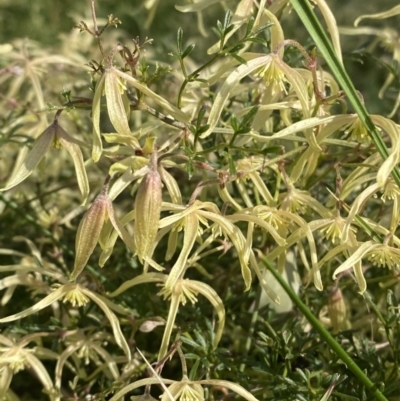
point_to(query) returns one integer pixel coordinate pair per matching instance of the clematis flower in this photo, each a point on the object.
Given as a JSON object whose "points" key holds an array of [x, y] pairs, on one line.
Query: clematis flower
{"points": [[15, 356], [57, 137], [184, 387], [89, 347], [182, 291], [381, 255], [78, 296], [192, 218]]}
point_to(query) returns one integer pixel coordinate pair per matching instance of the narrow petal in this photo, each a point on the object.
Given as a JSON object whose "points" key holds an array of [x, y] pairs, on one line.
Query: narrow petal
{"points": [[172, 312], [109, 236], [359, 275], [97, 149], [40, 147], [357, 204], [143, 278], [41, 372], [45, 302], [76, 154], [394, 157], [139, 383], [215, 301], [355, 257], [172, 110], [260, 222], [62, 359], [331, 25], [5, 380], [171, 185], [238, 240], [384, 14], [198, 6], [231, 386], [231, 81], [120, 229], [118, 335], [191, 228], [115, 104]]}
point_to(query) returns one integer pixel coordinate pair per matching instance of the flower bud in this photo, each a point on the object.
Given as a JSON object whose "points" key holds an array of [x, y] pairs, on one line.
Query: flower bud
{"points": [[337, 310], [89, 232], [147, 210]]}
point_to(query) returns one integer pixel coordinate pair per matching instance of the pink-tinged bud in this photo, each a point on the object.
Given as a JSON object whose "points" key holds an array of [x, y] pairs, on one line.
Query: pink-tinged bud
{"points": [[89, 232], [337, 310], [147, 210]]}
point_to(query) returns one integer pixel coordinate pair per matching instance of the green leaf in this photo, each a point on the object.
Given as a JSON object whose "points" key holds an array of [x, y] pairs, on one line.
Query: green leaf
{"points": [[234, 123], [179, 38], [193, 371], [200, 116], [249, 116], [202, 129], [188, 50], [238, 58], [263, 28], [227, 21], [250, 26], [190, 342], [190, 168], [237, 48]]}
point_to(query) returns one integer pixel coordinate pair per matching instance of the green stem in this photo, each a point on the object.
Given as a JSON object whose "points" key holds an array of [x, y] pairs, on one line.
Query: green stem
{"points": [[333, 344]]}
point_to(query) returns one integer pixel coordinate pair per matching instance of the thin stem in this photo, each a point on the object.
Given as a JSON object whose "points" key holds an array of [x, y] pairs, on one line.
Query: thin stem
{"points": [[326, 336], [95, 28], [193, 76]]}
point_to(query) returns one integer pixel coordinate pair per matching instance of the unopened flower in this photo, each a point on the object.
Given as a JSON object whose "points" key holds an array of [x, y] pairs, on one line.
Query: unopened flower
{"points": [[55, 136], [147, 210], [90, 227]]}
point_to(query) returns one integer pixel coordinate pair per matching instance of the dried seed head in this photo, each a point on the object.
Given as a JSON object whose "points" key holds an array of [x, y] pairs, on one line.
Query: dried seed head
{"points": [[89, 232], [337, 310], [147, 210]]}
